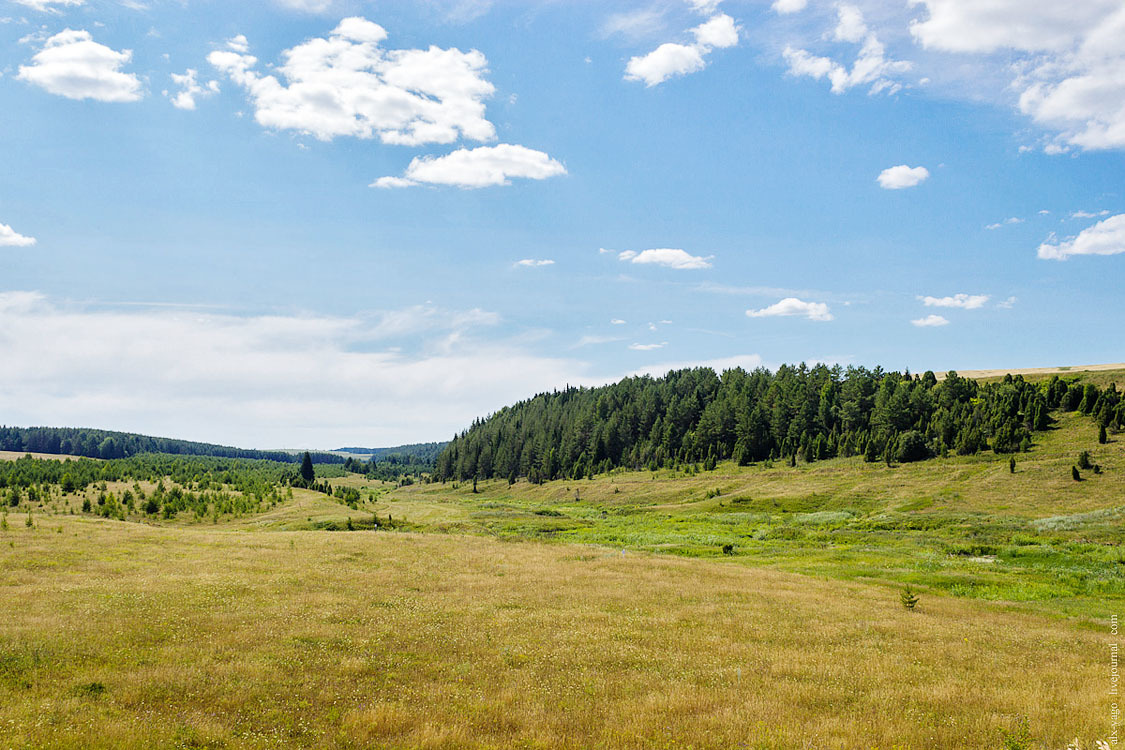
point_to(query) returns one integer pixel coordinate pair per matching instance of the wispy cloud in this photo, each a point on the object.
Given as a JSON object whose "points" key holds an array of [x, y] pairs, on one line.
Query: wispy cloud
{"points": [[930, 321], [964, 301]]}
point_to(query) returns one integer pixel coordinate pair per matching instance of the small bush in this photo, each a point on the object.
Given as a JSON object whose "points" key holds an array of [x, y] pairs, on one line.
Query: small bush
{"points": [[1019, 738], [1074, 474], [1012, 465], [728, 549], [908, 598], [1084, 460]]}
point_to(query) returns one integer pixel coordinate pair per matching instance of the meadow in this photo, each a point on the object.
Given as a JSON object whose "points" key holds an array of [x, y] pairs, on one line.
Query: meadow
{"points": [[744, 607]]}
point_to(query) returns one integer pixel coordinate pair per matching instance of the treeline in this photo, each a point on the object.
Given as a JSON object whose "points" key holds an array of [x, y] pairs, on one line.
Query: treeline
{"points": [[696, 416], [250, 476], [107, 444], [422, 454]]}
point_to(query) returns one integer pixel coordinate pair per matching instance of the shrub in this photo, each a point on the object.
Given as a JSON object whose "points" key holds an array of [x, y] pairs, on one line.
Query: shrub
{"points": [[728, 549], [1012, 465], [1084, 460], [1074, 474], [1019, 738], [908, 598], [1102, 437]]}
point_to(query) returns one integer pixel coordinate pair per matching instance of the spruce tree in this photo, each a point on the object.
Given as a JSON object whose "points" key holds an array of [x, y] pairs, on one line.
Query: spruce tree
{"points": [[1102, 437], [307, 471]]}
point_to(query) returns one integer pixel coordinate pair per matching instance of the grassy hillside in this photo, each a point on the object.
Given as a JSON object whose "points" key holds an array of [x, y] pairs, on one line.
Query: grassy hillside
{"points": [[118, 634], [751, 607]]}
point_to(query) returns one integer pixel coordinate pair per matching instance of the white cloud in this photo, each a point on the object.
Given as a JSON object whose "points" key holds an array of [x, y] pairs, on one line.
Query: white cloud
{"points": [[902, 176], [871, 65], [648, 347], [1068, 62], [11, 238], [672, 59], [784, 7], [664, 62], [1008, 304], [535, 263], [668, 257], [263, 381], [73, 65], [347, 85], [1006, 222], [483, 166], [850, 26], [792, 306], [48, 5], [930, 321], [635, 24], [306, 6], [963, 301], [1087, 214], [190, 89], [593, 340], [719, 32], [617, 322], [1107, 237]]}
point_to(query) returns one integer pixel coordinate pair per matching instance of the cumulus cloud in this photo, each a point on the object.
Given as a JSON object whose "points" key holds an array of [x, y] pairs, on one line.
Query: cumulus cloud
{"points": [[930, 321], [648, 347], [1107, 237], [791, 306], [673, 59], [902, 176], [963, 301], [348, 85], [871, 66], [479, 167], [11, 238], [667, 257], [73, 65], [190, 89], [535, 263], [266, 380], [1068, 64]]}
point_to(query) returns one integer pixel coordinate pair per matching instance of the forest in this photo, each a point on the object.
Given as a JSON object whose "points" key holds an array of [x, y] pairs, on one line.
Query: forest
{"points": [[91, 443], [802, 413]]}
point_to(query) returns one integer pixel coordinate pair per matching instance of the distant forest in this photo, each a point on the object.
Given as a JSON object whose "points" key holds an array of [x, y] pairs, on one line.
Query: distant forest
{"points": [[696, 416], [421, 453], [82, 441]]}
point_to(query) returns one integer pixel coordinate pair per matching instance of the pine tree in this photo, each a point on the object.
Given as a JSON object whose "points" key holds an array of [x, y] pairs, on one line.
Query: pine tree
{"points": [[1074, 474], [1102, 437], [1012, 465]]}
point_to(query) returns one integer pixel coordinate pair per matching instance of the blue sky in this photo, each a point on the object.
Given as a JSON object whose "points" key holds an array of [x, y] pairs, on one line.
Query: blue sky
{"points": [[302, 223]]}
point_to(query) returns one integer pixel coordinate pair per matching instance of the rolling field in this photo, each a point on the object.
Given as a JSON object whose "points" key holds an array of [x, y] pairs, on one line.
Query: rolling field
{"points": [[117, 634], [745, 607]]}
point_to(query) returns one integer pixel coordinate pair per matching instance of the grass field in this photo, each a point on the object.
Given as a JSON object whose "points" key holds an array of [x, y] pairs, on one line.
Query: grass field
{"points": [[123, 635], [747, 607]]}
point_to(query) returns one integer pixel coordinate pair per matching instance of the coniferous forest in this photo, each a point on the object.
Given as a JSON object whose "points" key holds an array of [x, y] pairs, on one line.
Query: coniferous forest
{"points": [[798, 413]]}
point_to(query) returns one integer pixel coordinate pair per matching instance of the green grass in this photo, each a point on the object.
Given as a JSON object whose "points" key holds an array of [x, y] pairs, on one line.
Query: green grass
{"points": [[961, 526]]}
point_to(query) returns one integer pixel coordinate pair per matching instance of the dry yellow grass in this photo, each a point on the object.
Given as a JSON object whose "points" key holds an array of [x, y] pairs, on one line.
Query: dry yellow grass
{"points": [[217, 638]]}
